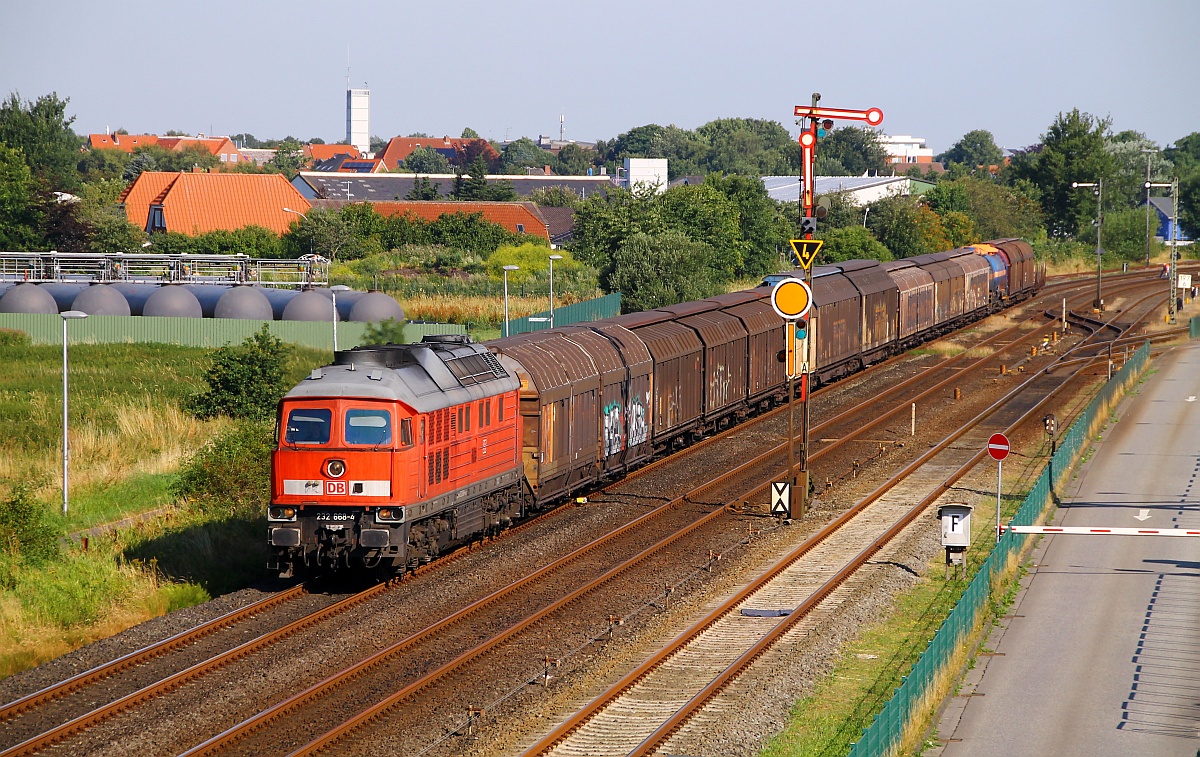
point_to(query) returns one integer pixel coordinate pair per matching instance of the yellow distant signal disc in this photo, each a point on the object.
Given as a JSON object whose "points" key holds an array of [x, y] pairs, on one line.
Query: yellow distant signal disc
{"points": [[791, 298]]}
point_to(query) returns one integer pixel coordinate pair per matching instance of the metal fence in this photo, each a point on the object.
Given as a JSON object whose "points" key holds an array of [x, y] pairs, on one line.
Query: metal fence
{"points": [[201, 332], [38, 267], [916, 696], [588, 310], [1194, 328]]}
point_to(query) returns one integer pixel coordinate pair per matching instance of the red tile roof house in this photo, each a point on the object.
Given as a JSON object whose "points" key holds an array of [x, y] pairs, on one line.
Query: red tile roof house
{"points": [[520, 217], [317, 153], [193, 203], [122, 142], [222, 147]]}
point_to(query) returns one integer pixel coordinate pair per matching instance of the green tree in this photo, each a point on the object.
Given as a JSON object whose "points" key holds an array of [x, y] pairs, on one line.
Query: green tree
{"points": [[20, 211], [230, 474], [390, 331], [1072, 150], [469, 133], [705, 214], [573, 160], [1185, 154], [750, 146], [856, 150], [424, 190], [604, 221], [377, 144], [685, 150], [289, 157], [322, 232], [1189, 204], [976, 149], [946, 197], [1124, 234], [27, 531], [103, 164], [761, 226], [140, 161], [475, 186], [1131, 152], [524, 153], [244, 382], [851, 243], [555, 197], [41, 130], [427, 160], [110, 231], [895, 222], [653, 271]]}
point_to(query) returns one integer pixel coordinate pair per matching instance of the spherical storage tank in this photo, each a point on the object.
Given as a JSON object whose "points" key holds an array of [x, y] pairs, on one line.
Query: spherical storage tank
{"points": [[173, 302], [28, 298], [308, 306], [63, 292], [208, 295], [279, 298], [101, 299], [374, 307], [135, 294], [244, 302]]}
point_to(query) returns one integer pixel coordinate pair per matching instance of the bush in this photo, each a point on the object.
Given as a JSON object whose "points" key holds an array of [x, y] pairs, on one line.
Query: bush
{"points": [[244, 382], [390, 331], [13, 338], [25, 526], [232, 473]]}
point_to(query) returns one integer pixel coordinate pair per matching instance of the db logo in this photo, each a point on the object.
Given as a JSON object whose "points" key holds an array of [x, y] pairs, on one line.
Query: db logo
{"points": [[336, 488]]}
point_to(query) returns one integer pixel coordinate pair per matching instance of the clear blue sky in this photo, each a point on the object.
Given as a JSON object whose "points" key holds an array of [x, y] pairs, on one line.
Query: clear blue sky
{"points": [[937, 68]]}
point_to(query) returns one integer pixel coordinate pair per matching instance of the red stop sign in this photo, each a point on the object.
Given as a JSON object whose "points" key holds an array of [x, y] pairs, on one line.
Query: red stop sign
{"points": [[998, 446]]}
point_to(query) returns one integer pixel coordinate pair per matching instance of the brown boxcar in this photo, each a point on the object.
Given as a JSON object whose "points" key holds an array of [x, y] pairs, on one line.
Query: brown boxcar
{"points": [[766, 375], [948, 283], [880, 301], [677, 388], [559, 406], [1022, 269], [625, 365], [915, 298], [834, 330], [724, 364], [976, 277]]}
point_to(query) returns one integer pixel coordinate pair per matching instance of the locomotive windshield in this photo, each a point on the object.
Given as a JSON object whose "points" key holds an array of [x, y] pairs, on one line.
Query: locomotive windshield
{"points": [[372, 427], [308, 426]]}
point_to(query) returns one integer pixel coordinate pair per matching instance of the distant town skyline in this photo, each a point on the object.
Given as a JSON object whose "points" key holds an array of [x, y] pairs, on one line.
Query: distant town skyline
{"points": [[938, 69]]}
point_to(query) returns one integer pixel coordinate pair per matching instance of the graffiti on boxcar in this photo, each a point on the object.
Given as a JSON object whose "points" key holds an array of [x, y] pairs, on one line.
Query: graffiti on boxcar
{"points": [[639, 427], [719, 385], [614, 429]]}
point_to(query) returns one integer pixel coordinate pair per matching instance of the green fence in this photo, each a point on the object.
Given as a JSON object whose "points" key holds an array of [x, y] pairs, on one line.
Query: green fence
{"points": [[200, 332], [916, 694], [1194, 328], [588, 310]]}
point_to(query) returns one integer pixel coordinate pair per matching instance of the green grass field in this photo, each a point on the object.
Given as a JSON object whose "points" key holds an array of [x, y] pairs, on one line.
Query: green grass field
{"points": [[128, 440]]}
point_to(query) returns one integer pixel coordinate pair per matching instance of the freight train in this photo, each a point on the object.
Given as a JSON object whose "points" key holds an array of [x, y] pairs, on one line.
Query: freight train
{"points": [[395, 454]]}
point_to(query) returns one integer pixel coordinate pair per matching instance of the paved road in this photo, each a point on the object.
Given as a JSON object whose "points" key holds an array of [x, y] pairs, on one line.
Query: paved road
{"points": [[1102, 653]]}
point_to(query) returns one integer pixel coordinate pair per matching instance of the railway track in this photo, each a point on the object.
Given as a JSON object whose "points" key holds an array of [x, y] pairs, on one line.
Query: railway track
{"points": [[642, 711], [74, 726]]}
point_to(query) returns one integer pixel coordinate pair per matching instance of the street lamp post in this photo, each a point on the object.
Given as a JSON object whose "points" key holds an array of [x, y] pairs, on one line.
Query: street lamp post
{"points": [[507, 268], [1172, 276], [310, 235], [66, 456], [333, 290], [552, 259], [1149, 152], [1099, 186]]}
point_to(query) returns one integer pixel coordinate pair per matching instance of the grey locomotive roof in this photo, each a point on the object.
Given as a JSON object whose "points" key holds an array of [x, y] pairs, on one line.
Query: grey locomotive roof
{"points": [[435, 374]]}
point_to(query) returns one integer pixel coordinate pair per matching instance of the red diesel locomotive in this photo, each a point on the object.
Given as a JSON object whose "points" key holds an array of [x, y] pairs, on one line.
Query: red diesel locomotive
{"points": [[394, 454]]}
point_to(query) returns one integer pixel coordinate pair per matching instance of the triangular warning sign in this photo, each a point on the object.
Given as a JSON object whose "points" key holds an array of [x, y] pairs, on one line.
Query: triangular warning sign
{"points": [[805, 251]]}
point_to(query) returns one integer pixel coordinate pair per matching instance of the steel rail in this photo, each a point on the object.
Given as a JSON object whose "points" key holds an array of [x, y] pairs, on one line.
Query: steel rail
{"points": [[145, 654], [172, 682], [633, 677]]}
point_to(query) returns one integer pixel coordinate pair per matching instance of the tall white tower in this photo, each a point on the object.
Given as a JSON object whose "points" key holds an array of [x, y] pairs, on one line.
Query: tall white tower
{"points": [[358, 117]]}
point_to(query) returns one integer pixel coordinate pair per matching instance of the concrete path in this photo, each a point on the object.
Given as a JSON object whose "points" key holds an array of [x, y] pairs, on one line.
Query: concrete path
{"points": [[1101, 655]]}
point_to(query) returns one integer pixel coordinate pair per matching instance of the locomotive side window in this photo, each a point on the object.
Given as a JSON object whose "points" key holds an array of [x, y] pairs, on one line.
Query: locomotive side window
{"points": [[406, 435], [308, 426], [486, 407], [500, 409], [373, 427]]}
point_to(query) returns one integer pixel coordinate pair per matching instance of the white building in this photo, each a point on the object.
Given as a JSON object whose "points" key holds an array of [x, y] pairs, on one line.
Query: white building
{"points": [[358, 118], [903, 148], [649, 172]]}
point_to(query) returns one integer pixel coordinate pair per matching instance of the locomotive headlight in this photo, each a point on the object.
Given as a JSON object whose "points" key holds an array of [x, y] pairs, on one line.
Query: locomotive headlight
{"points": [[389, 515], [386, 513], [282, 513], [335, 468]]}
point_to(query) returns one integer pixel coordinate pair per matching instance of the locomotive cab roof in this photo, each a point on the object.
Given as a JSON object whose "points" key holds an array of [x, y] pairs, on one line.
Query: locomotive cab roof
{"points": [[440, 371]]}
